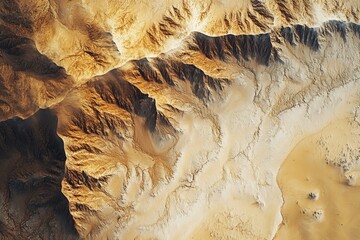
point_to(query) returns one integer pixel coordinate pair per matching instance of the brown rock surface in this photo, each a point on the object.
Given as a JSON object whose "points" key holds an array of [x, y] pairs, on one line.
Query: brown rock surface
{"points": [[174, 118]]}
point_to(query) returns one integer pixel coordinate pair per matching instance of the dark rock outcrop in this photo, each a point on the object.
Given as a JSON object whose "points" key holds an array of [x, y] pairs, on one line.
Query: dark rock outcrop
{"points": [[32, 160]]}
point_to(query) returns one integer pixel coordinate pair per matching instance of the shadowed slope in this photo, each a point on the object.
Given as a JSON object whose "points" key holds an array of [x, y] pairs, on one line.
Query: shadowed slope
{"points": [[32, 160]]}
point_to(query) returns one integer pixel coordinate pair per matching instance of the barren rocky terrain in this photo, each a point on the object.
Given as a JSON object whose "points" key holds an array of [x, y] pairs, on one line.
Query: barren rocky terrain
{"points": [[179, 119]]}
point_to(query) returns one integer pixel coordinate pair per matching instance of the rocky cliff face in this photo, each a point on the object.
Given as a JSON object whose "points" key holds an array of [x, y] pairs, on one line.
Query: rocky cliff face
{"points": [[172, 120], [32, 163]]}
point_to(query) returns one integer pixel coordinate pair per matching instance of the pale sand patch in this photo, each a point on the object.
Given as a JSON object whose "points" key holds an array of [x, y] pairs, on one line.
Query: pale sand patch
{"points": [[334, 211]]}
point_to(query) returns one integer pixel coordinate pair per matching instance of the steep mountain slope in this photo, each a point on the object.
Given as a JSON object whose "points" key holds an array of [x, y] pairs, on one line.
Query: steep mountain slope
{"points": [[175, 117], [32, 160], [203, 144]]}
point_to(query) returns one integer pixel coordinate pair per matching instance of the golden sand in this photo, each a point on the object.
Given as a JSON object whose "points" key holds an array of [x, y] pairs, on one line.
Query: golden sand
{"points": [[318, 202]]}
